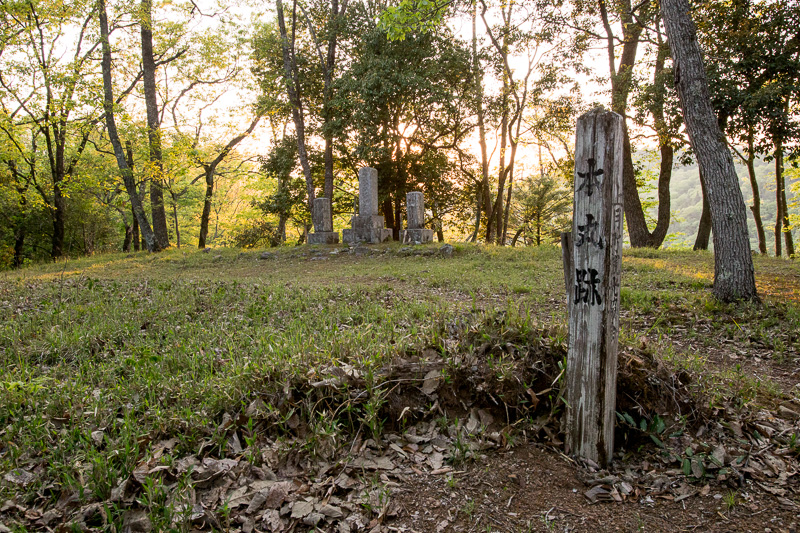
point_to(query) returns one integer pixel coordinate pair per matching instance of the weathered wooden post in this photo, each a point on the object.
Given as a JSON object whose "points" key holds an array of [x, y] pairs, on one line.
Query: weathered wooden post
{"points": [[593, 268]]}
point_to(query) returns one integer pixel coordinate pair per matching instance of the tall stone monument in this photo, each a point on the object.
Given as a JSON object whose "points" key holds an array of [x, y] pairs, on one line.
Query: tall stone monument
{"points": [[323, 223], [416, 232], [592, 261], [368, 224]]}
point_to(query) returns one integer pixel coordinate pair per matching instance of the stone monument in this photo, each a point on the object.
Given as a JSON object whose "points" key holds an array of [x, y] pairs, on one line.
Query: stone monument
{"points": [[367, 226], [323, 223], [416, 232]]}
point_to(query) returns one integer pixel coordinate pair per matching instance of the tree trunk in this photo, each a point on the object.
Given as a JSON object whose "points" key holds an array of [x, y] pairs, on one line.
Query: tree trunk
{"points": [[19, 244], [126, 244], [158, 211], [135, 223], [516, 236], [57, 210], [704, 227], [621, 79], [756, 207], [734, 278], [783, 226], [333, 35], [398, 216], [175, 219], [388, 212], [111, 126], [482, 195], [201, 243], [293, 92]]}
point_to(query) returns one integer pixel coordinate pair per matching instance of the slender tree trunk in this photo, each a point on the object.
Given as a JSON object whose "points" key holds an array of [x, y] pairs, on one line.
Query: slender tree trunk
{"points": [[734, 278], [704, 226], [783, 226], [621, 80], [19, 246], [508, 203], [388, 212], [336, 15], [206, 209], [484, 194], [57, 241], [516, 236], [398, 215], [158, 210], [756, 207], [175, 220], [478, 204], [111, 126], [135, 232], [293, 92], [135, 223], [126, 244], [538, 229]]}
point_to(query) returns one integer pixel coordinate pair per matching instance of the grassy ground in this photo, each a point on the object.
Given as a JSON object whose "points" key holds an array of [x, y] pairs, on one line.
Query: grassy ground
{"points": [[102, 357]]}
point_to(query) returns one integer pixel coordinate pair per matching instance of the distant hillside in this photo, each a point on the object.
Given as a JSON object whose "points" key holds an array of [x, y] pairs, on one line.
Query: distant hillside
{"points": [[687, 201]]}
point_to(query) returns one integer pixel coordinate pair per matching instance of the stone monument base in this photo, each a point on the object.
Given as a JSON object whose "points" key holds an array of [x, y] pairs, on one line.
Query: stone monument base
{"points": [[323, 237], [416, 236], [367, 229], [369, 236]]}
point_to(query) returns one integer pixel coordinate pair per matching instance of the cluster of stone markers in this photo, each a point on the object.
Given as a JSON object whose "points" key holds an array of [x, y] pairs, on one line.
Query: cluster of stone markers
{"points": [[368, 226]]}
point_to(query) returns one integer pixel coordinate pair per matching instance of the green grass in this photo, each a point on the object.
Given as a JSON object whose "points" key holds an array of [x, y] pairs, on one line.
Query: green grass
{"points": [[102, 357]]}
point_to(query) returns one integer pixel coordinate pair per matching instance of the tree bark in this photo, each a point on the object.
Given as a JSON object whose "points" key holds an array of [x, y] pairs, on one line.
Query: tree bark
{"points": [[158, 210], [483, 195], [135, 223], [704, 227], [756, 207], [782, 225], [734, 278], [19, 243], [621, 78], [293, 92], [113, 135], [126, 244]]}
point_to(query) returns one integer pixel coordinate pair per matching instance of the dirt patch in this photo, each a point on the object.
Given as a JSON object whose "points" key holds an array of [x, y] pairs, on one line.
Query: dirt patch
{"points": [[533, 488]]}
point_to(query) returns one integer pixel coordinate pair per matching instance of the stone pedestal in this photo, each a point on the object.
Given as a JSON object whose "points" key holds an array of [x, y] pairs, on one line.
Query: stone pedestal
{"points": [[324, 237], [368, 229], [323, 223], [415, 210], [416, 236]]}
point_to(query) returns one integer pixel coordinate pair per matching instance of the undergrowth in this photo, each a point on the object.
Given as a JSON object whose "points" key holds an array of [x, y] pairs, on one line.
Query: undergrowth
{"points": [[102, 357]]}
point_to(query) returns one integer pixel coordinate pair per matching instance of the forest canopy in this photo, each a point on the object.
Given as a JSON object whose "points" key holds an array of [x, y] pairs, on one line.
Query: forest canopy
{"points": [[145, 125]]}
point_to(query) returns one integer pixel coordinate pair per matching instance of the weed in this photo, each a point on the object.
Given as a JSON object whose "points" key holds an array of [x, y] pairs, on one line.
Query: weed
{"points": [[730, 499], [468, 508]]}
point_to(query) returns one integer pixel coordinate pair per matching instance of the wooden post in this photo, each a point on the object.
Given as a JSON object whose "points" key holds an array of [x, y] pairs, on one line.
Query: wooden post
{"points": [[593, 302]]}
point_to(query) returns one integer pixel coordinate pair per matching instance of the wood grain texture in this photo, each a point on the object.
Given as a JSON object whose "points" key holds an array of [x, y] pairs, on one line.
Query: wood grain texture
{"points": [[595, 274]]}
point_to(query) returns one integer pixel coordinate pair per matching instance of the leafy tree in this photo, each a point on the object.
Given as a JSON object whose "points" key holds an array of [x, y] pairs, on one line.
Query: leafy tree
{"points": [[45, 76], [399, 103], [546, 208]]}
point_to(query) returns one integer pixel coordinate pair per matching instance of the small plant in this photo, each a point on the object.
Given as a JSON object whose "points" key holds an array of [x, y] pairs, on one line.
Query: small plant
{"points": [[253, 452], [654, 428], [469, 508], [730, 499]]}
